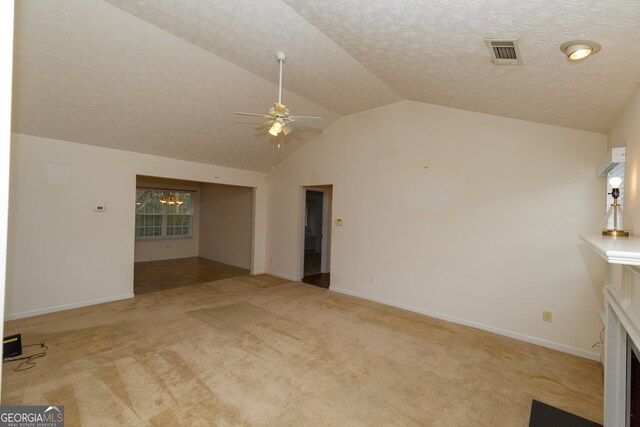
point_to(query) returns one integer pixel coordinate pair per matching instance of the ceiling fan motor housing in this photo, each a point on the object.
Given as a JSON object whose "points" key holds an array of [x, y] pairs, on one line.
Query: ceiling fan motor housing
{"points": [[272, 111]]}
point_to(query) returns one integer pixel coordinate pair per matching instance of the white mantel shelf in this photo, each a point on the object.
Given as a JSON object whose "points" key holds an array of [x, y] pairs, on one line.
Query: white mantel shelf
{"points": [[615, 250]]}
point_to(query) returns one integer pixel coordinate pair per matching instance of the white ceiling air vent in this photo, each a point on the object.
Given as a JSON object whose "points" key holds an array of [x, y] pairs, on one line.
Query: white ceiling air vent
{"points": [[504, 52]]}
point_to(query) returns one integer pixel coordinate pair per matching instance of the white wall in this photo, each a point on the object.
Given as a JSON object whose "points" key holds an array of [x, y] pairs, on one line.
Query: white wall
{"points": [[6, 68], [626, 132], [61, 253], [171, 248], [225, 224], [463, 215]]}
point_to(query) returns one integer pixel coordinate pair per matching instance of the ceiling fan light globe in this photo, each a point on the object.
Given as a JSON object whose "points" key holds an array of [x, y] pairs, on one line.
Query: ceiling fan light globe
{"points": [[276, 128]]}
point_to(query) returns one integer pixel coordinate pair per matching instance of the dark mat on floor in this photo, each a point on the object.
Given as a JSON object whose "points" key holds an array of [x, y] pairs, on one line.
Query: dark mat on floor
{"points": [[543, 415]]}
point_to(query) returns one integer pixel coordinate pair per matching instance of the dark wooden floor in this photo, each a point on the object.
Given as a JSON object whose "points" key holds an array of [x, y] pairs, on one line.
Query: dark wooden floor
{"points": [[320, 279], [312, 274], [155, 276]]}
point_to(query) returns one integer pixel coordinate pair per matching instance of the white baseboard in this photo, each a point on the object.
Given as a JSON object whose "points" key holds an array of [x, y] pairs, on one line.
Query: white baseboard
{"points": [[53, 309], [283, 276], [504, 332]]}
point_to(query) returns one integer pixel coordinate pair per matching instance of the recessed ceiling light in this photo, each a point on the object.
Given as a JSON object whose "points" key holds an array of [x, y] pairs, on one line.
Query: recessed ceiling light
{"points": [[579, 49]]}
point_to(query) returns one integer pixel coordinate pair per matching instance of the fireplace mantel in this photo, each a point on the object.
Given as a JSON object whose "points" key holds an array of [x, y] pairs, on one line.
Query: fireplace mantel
{"points": [[621, 318], [615, 250]]}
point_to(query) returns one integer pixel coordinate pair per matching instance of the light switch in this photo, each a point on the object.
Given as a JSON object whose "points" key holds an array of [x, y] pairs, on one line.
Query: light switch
{"points": [[339, 222]]}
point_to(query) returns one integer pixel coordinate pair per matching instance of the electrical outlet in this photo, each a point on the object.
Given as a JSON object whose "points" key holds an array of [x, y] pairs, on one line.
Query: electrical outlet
{"points": [[547, 316]]}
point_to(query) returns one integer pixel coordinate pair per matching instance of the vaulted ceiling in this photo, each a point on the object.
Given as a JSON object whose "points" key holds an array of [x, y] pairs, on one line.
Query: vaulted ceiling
{"points": [[165, 76]]}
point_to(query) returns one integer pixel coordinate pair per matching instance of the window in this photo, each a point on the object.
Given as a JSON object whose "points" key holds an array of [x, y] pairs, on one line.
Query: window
{"points": [[157, 220]]}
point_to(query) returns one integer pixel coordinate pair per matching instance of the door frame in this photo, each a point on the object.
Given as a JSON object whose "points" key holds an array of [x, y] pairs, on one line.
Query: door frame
{"points": [[327, 219]]}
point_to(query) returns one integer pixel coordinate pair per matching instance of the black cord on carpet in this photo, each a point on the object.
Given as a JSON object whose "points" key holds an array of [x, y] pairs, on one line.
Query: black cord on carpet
{"points": [[28, 361]]}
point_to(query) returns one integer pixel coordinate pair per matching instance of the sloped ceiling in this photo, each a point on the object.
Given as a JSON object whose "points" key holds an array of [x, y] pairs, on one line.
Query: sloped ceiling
{"points": [[165, 76]]}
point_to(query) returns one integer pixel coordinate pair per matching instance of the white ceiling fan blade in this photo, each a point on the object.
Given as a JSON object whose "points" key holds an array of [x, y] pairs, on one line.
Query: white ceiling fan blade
{"points": [[295, 136], [254, 115], [308, 120], [293, 128]]}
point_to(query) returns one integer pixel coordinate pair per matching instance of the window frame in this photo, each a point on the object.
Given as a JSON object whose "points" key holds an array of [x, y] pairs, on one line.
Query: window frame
{"points": [[164, 226]]}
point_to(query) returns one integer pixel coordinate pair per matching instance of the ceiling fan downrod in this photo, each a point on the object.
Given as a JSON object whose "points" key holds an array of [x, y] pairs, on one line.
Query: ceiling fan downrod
{"points": [[280, 57]]}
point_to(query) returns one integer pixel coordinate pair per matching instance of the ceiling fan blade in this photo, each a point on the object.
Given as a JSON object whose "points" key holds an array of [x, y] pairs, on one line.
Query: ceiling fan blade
{"points": [[295, 128], [254, 115], [264, 126], [280, 109], [308, 120]]}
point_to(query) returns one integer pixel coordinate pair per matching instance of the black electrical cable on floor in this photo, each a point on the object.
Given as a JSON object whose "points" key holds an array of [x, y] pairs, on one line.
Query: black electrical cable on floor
{"points": [[28, 361], [599, 344]]}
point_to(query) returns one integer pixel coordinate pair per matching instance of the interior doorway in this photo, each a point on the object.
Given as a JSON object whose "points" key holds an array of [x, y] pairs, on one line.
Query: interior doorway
{"points": [[190, 232], [316, 236]]}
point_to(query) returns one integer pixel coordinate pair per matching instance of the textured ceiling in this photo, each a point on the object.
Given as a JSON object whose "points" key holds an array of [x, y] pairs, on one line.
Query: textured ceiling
{"points": [[88, 72], [248, 33], [164, 76], [434, 51]]}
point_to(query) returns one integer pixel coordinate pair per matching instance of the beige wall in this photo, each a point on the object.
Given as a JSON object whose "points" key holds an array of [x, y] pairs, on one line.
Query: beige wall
{"points": [[465, 216], [62, 254], [626, 132], [225, 224], [6, 68], [170, 248]]}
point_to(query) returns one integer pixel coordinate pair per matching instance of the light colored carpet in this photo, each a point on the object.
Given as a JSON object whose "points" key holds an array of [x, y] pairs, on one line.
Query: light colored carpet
{"points": [[258, 350]]}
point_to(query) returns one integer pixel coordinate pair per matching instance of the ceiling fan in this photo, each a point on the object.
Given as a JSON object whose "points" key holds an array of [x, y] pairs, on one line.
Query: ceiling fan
{"points": [[279, 119]]}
